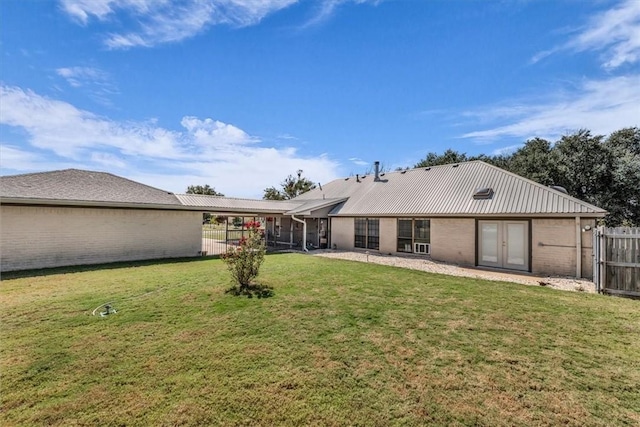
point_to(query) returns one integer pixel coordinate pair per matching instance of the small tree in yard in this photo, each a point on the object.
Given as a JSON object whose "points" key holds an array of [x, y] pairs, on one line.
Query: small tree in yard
{"points": [[244, 262]]}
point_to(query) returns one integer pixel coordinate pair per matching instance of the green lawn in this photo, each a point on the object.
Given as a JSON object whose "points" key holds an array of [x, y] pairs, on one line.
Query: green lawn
{"points": [[340, 343], [213, 233]]}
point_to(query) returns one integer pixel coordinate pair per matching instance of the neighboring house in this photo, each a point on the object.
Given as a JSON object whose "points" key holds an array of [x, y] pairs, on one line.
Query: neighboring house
{"points": [[73, 217], [470, 214]]}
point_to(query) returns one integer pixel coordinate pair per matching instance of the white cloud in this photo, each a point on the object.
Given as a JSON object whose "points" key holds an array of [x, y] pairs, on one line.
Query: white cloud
{"points": [[81, 76], [16, 159], [96, 82], [358, 161], [68, 131], [328, 8], [83, 9], [203, 151], [165, 21], [601, 106], [107, 160], [287, 137], [614, 32]]}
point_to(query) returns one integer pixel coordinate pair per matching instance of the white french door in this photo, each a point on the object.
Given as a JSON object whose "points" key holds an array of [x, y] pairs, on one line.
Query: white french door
{"points": [[504, 244]]}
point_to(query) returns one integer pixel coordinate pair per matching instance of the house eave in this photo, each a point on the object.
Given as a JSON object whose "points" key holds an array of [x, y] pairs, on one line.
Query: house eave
{"points": [[474, 215], [22, 201]]}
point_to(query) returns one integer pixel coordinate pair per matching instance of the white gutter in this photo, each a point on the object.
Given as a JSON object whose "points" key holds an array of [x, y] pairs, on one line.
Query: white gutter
{"points": [[304, 232], [93, 204]]}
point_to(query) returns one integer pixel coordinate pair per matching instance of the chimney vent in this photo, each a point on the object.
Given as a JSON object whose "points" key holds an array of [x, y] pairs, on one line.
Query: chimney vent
{"points": [[376, 169]]}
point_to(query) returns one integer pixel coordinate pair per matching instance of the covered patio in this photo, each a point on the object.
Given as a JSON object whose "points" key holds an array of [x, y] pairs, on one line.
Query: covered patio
{"points": [[302, 225]]}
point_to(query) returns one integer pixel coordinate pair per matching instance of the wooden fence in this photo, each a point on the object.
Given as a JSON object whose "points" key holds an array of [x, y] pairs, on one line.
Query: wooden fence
{"points": [[617, 266]]}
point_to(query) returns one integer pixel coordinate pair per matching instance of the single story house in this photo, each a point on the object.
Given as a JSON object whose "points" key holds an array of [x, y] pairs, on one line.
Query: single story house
{"points": [[470, 213]]}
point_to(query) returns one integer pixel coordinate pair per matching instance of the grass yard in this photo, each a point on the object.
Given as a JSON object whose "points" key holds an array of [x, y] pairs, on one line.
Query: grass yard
{"points": [[340, 343], [214, 233]]}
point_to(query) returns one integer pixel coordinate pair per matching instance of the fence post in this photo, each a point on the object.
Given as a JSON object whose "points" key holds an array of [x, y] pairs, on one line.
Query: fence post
{"points": [[595, 249], [602, 266]]}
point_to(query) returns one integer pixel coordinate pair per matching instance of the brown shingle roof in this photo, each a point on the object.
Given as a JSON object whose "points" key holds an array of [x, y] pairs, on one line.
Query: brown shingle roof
{"points": [[75, 185]]}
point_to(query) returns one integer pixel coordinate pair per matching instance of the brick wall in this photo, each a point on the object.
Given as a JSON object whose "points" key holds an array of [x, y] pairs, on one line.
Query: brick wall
{"points": [[553, 242], [342, 233], [388, 235], [41, 237], [554, 247], [453, 240]]}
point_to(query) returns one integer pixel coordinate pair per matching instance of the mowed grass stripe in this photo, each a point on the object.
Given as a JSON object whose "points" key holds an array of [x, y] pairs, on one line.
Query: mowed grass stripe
{"points": [[340, 343]]}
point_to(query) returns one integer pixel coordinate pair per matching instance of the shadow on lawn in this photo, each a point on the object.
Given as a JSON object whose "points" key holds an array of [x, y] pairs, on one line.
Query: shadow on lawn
{"points": [[94, 267], [250, 291], [109, 266]]}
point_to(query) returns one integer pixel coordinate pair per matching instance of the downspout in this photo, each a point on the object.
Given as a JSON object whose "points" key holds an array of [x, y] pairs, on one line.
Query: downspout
{"points": [[304, 232]]}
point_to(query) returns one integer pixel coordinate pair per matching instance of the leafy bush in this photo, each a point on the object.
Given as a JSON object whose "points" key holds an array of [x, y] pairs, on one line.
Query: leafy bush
{"points": [[244, 262]]}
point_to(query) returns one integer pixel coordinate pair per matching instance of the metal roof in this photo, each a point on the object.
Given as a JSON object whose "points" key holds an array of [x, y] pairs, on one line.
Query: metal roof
{"points": [[221, 204], [307, 206], [81, 187], [448, 191], [436, 191]]}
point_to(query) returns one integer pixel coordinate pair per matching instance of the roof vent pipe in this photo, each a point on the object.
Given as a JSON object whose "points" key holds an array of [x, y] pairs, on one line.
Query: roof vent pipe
{"points": [[376, 170], [559, 188]]}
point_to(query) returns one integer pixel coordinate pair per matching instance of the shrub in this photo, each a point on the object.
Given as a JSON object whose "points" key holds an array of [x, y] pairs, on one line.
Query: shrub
{"points": [[244, 261]]}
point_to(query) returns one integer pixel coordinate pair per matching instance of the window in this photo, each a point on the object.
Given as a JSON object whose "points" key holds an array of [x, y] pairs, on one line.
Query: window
{"points": [[405, 235], [373, 231], [414, 235], [367, 233]]}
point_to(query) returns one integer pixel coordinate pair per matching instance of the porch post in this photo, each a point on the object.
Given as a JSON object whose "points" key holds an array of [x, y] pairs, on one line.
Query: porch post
{"points": [[291, 234]]}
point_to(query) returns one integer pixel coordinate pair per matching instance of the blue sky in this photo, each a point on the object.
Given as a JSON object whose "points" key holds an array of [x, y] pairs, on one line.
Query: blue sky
{"points": [[238, 94]]}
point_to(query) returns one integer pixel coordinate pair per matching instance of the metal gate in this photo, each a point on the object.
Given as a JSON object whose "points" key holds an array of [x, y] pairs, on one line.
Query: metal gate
{"points": [[221, 233], [616, 264]]}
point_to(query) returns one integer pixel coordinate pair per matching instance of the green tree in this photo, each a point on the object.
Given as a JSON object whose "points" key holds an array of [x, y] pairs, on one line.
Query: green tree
{"points": [[448, 157], [584, 166], [208, 191], [292, 187], [623, 202], [203, 189], [535, 161]]}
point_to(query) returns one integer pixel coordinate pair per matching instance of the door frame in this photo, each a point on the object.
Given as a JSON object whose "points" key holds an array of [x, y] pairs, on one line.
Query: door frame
{"points": [[502, 220]]}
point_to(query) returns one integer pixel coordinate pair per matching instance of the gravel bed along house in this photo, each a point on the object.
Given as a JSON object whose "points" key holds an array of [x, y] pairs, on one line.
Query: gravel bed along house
{"points": [[424, 264]]}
